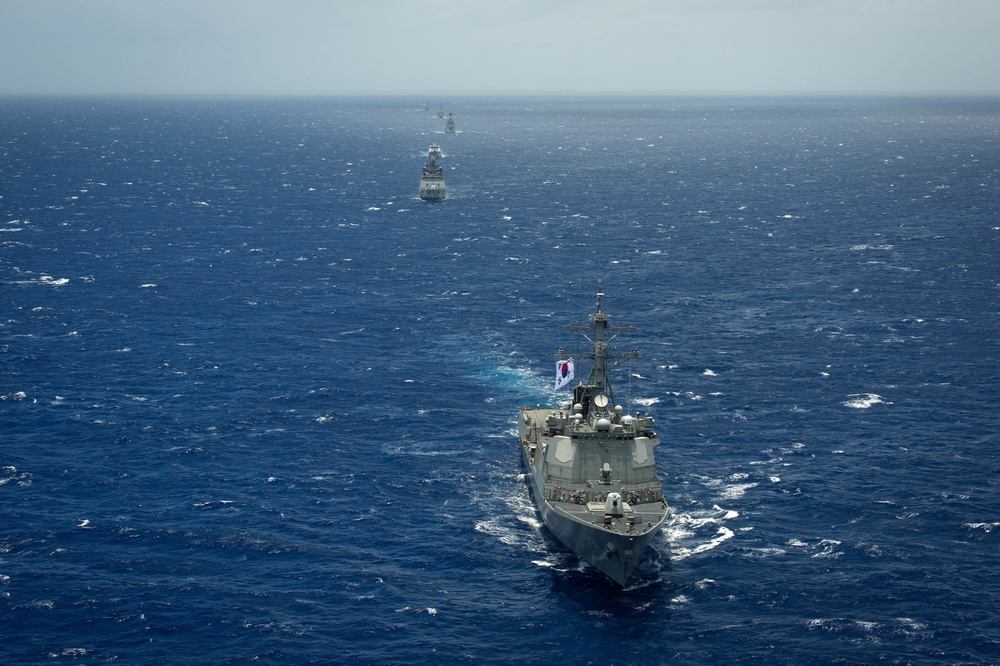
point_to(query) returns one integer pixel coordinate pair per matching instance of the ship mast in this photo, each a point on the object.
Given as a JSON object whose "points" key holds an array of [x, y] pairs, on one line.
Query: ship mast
{"points": [[599, 380]]}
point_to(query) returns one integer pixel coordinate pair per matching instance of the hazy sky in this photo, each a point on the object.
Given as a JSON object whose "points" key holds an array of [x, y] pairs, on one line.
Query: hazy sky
{"points": [[432, 47]]}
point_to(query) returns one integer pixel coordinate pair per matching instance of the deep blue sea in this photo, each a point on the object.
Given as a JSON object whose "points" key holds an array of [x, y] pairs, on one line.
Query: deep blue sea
{"points": [[257, 400]]}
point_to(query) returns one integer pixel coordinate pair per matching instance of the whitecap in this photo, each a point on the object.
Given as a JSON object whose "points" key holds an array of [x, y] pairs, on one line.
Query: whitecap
{"points": [[709, 373], [48, 279], [763, 553], [737, 490], [864, 246], [721, 536], [910, 623], [864, 400], [411, 609], [70, 652], [829, 551]]}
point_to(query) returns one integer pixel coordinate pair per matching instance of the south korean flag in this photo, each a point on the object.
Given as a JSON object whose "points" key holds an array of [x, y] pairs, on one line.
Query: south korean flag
{"points": [[564, 373]]}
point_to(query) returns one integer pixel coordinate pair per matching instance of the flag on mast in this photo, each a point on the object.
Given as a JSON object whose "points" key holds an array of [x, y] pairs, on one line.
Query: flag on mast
{"points": [[564, 373]]}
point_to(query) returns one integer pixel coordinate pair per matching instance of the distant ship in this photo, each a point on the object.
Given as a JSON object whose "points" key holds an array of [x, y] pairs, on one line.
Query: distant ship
{"points": [[440, 112], [432, 177], [449, 126], [591, 469]]}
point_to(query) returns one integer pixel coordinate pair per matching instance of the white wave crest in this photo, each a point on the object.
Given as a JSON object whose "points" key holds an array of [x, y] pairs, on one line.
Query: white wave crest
{"points": [[864, 400]]}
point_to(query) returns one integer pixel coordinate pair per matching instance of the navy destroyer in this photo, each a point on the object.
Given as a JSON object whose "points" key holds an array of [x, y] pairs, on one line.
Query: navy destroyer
{"points": [[590, 466], [449, 126], [432, 177]]}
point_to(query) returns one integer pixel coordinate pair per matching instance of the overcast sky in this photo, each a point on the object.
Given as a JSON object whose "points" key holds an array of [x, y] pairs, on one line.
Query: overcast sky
{"points": [[432, 47]]}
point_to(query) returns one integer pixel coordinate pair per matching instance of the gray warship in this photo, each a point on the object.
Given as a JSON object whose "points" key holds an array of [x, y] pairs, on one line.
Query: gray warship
{"points": [[449, 126], [590, 466], [432, 177]]}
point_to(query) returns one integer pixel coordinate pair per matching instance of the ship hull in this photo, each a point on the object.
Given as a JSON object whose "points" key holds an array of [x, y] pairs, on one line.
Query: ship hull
{"points": [[615, 554]]}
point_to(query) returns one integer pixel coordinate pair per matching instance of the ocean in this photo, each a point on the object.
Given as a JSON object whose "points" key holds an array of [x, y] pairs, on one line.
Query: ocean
{"points": [[257, 399]]}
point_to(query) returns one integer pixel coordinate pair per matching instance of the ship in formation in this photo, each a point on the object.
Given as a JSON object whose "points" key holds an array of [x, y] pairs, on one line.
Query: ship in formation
{"points": [[590, 466], [432, 186]]}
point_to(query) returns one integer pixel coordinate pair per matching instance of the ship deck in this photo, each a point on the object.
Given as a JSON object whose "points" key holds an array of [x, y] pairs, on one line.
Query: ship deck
{"points": [[636, 520]]}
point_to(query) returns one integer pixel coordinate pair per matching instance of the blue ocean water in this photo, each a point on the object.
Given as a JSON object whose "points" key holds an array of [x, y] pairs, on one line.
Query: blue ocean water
{"points": [[257, 399]]}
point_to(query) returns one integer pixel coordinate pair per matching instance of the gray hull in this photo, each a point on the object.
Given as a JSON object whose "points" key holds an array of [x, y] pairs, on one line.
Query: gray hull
{"points": [[613, 554], [613, 545]]}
